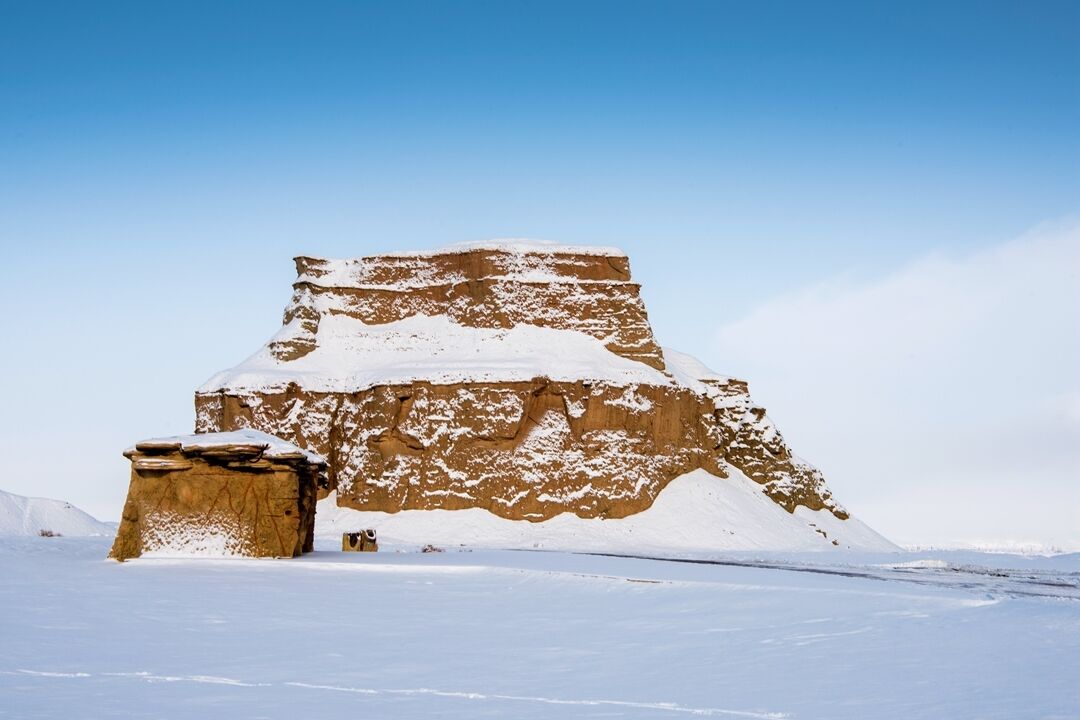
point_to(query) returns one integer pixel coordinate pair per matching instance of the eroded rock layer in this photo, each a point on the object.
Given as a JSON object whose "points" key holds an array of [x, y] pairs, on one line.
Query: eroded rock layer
{"points": [[583, 413], [485, 288]]}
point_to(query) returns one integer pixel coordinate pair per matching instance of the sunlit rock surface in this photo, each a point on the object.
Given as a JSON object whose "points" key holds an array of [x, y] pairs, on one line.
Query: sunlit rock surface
{"points": [[516, 377]]}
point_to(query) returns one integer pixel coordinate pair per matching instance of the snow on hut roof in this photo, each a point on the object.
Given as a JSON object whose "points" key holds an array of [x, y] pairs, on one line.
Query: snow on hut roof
{"points": [[270, 446]]}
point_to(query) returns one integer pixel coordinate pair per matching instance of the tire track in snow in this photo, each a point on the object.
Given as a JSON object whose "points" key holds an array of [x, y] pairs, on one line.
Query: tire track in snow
{"points": [[1001, 582], [431, 692], [669, 707]]}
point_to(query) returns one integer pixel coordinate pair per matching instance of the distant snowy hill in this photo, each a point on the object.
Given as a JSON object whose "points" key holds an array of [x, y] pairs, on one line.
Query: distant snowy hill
{"points": [[29, 516]]}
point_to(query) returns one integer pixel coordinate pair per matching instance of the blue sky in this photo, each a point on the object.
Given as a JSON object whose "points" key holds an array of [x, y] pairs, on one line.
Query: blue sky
{"points": [[160, 163]]}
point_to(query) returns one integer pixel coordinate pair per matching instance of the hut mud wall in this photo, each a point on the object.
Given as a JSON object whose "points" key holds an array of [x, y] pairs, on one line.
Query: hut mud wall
{"points": [[222, 501]]}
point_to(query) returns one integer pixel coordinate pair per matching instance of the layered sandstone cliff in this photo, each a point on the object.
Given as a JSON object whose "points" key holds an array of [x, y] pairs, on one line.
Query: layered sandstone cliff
{"points": [[519, 378]]}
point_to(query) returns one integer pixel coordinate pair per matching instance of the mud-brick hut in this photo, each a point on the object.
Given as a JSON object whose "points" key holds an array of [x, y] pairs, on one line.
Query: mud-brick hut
{"points": [[231, 493]]}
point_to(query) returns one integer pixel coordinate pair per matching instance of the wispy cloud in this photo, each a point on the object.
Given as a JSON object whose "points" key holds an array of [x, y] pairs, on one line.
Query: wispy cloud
{"points": [[943, 400]]}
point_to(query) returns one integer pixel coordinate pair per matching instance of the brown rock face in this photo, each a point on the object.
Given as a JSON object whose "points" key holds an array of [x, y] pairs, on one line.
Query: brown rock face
{"points": [[597, 426], [486, 288], [522, 450], [233, 497]]}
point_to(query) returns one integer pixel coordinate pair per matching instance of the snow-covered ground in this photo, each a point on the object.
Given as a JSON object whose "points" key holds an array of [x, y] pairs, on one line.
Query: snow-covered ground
{"points": [[30, 516], [536, 635]]}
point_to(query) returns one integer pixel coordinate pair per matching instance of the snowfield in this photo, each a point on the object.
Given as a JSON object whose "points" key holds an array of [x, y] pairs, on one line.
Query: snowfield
{"points": [[526, 634]]}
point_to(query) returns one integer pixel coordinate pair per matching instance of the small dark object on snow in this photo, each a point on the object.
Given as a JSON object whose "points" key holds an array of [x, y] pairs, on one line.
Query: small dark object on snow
{"points": [[431, 548], [363, 541]]}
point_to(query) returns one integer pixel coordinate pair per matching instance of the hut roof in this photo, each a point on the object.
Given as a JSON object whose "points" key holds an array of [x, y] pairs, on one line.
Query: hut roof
{"points": [[237, 441]]}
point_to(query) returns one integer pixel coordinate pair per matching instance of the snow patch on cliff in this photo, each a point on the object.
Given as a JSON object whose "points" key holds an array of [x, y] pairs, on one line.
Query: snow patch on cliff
{"points": [[689, 371], [350, 356]]}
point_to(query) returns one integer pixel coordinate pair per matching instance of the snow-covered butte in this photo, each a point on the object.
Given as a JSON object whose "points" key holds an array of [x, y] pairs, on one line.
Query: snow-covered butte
{"points": [[518, 379]]}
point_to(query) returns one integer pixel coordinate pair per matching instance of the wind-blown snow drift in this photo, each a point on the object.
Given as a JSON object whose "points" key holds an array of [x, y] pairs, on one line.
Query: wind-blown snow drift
{"points": [[697, 512]]}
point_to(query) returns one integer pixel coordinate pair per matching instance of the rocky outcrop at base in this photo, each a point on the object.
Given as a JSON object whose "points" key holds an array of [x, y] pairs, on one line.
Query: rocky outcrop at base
{"points": [[240, 493], [521, 379]]}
